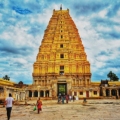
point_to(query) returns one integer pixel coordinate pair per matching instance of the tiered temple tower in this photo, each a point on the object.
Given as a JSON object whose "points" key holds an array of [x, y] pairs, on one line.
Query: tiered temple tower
{"points": [[61, 65]]}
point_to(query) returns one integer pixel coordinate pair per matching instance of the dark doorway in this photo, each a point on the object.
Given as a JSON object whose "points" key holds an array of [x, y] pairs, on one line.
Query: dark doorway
{"points": [[30, 93], [47, 93], [101, 91], [119, 92], [62, 88], [107, 92], [114, 92], [36, 94], [87, 94], [41, 94]]}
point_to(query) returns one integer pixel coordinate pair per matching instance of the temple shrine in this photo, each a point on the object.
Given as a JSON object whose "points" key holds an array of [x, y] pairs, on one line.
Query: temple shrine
{"points": [[61, 65]]}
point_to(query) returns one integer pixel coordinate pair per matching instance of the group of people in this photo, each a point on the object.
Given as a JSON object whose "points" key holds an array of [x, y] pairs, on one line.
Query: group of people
{"points": [[9, 101], [63, 97]]}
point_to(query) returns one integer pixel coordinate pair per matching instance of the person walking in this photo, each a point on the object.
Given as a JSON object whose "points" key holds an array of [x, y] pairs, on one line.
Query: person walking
{"points": [[73, 98], [39, 105], [62, 98], [70, 97], [67, 98], [8, 102], [59, 98]]}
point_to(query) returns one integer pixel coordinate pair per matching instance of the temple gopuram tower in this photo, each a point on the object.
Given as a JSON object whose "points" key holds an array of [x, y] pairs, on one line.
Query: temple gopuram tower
{"points": [[61, 65]]}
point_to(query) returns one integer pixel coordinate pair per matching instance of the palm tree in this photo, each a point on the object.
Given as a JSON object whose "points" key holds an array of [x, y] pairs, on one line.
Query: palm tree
{"points": [[6, 77]]}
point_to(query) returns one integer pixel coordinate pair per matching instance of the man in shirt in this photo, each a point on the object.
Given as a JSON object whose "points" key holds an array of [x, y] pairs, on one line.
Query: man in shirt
{"points": [[9, 101]]}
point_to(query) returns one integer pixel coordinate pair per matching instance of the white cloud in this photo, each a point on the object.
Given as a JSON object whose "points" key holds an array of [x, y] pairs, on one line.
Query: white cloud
{"points": [[20, 60], [102, 13], [99, 49]]}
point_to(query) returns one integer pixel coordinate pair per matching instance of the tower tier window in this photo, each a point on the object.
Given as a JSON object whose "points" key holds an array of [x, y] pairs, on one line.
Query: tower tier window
{"points": [[61, 70], [61, 45], [61, 55], [61, 67]]}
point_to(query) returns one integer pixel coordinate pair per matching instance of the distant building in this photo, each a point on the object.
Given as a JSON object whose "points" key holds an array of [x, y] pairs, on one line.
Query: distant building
{"points": [[17, 92], [109, 89]]}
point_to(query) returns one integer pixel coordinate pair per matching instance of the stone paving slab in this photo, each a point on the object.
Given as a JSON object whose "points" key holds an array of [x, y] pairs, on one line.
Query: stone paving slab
{"points": [[92, 110]]}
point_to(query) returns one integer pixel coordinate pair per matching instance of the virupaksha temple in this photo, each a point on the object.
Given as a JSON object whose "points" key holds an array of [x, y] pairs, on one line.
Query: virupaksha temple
{"points": [[61, 66]]}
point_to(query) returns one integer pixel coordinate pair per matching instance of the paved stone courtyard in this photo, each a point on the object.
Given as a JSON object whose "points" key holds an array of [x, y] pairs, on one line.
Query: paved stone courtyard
{"points": [[103, 109]]}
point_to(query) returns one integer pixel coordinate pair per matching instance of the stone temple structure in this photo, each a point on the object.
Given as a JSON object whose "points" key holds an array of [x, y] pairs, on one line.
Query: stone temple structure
{"points": [[61, 65]]}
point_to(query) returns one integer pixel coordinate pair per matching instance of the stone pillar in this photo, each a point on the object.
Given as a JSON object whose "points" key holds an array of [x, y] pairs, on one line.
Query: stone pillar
{"points": [[77, 93], [110, 92], [50, 93], [118, 93], [89, 81], [81, 81], [32, 93], [78, 82], [38, 93], [36, 82], [46, 82], [72, 93], [75, 81], [43, 83], [40, 82], [18, 97], [85, 82], [104, 92]]}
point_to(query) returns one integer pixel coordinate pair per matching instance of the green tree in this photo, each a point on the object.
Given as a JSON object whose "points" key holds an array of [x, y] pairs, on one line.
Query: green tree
{"points": [[112, 76], [20, 83], [6, 77]]}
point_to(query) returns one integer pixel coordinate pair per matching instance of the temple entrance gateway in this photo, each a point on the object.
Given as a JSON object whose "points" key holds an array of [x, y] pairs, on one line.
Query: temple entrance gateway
{"points": [[62, 88]]}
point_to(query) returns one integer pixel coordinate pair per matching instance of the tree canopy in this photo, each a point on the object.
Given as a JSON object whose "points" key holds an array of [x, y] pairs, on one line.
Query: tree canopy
{"points": [[20, 83], [6, 77], [112, 76]]}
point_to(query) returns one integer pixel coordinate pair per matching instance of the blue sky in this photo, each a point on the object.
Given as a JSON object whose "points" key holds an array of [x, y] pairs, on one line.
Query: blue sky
{"points": [[22, 25]]}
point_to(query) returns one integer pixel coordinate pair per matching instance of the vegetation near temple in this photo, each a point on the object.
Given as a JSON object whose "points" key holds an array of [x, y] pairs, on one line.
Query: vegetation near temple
{"points": [[6, 77], [112, 76], [20, 83]]}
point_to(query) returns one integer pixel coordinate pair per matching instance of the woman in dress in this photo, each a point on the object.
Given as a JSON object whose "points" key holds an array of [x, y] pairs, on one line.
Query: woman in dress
{"points": [[39, 105]]}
